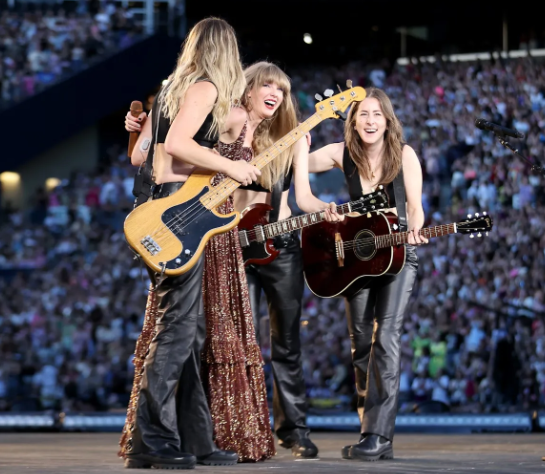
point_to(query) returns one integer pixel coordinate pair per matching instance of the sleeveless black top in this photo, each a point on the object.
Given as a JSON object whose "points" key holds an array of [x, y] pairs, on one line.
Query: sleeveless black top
{"points": [[353, 181], [261, 189], [202, 137]]}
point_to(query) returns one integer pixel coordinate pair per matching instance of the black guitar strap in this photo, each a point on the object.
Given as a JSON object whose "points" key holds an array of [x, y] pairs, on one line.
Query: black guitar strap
{"points": [[355, 190], [276, 198], [401, 204]]}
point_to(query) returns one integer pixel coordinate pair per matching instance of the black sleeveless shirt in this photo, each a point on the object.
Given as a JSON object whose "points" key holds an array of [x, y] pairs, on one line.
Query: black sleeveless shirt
{"points": [[353, 181], [202, 137]]}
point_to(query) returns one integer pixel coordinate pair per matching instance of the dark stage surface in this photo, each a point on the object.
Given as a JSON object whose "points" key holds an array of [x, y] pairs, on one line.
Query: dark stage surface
{"points": [[65, 453]]}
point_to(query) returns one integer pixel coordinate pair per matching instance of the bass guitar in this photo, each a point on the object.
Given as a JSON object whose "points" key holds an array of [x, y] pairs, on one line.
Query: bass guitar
{"points": [[170, 233], [256, 233], [340, 258]]}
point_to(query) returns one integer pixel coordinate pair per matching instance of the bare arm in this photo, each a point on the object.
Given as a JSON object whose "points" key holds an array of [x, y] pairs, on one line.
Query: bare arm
{"points": [[139, 155], [412, 178], [306, 201], [326, 158], [179, 143]]}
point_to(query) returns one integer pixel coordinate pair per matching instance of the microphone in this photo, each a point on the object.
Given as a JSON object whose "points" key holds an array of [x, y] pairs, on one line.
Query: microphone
{"points": [[497, 129], [136, 110]]}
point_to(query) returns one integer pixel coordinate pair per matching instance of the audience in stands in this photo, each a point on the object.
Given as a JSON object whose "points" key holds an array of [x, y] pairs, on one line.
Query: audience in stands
{"points": [[71, 297]]}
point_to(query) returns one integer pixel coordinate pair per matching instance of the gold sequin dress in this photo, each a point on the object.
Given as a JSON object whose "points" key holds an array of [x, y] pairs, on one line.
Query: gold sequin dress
{"points": [[232, 364], [231, 357]]}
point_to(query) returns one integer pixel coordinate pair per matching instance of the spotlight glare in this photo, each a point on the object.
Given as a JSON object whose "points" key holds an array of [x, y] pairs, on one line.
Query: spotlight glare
{"points": [[307, 38]]}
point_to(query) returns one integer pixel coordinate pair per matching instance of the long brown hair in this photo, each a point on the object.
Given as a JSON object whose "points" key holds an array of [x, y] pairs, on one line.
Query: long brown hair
{"points": [[393, 139], [210, 51], [281, 123]]}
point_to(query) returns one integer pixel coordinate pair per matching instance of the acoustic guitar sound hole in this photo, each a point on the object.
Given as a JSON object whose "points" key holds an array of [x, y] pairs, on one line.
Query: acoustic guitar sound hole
{"points": [[364, 245]]}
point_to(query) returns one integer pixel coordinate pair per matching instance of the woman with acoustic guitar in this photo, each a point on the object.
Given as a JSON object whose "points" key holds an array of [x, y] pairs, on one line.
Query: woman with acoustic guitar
{"points": [[168, 421], [372, 154]]}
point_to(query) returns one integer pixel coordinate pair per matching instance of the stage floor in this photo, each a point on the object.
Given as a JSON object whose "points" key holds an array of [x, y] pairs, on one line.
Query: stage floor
{"points": [[67, 453]]}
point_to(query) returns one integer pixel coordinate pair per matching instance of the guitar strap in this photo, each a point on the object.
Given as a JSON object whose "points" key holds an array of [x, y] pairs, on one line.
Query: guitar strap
{"points": [[276, 198], [355, 190], [143, 181]]}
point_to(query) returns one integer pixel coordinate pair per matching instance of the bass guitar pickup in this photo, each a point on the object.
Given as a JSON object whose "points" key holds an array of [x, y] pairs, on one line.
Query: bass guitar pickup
{"points": [[151, 246]]}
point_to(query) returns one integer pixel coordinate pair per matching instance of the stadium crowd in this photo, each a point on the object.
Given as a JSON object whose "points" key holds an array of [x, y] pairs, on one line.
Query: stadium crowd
{"points": [[41, 46], [72, 298]]}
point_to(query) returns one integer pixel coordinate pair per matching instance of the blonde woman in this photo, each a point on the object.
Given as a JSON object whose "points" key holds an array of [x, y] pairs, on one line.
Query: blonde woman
{"points": [[168, 421], [373, 153]]}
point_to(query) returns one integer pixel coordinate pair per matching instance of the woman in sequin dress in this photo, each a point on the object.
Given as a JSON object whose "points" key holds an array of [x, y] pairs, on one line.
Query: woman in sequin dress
{"points": [[231, 360]]}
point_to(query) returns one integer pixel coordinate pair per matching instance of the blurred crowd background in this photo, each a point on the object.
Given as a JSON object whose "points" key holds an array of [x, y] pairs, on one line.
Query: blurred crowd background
{"points": [[72, 297]]}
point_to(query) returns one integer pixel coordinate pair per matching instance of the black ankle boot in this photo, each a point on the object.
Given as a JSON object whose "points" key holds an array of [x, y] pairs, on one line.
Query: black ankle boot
{"points": [[157, 460], [372, 448], [345, 452], [301, 447], [219, 458]]}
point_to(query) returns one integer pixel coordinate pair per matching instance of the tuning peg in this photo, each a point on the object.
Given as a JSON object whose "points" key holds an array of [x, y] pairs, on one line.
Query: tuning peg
{"points": [[471, 236], [484, 213], [479, 235], [469, 216], [328, 92], [318, 97], [380, 186], [476, 214], [349, 84], [486, 233]]}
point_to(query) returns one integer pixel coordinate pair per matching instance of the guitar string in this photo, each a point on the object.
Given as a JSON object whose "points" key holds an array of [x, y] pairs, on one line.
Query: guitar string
{"points": [[188, 215], [371, 241], [345, 208]]}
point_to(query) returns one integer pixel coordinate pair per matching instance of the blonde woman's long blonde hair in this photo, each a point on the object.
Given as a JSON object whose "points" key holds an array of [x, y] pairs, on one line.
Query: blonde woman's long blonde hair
{"points": [[393, 139], [210, 51], [281, 123]]}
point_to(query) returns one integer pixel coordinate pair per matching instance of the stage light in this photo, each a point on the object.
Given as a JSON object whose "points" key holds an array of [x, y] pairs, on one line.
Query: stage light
{"points": [[165, 82], [9, 177], [307, 38], [51, 183]]}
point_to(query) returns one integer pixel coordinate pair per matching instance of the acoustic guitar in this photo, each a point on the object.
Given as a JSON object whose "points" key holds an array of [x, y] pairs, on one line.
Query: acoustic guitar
{"points": [[170, 233], [340, 258]]}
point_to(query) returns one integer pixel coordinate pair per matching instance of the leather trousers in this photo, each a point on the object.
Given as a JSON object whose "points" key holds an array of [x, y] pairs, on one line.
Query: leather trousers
{"points": [[375, 321], [172, 413], [283, 284]]}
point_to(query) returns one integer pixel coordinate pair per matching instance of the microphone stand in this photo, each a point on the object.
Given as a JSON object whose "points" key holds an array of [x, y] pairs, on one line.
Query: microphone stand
{"points": [[536, 167]]}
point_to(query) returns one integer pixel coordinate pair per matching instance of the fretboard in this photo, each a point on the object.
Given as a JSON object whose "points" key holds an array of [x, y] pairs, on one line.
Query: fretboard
{"points": [[389, 240], [298, 222], [227, 186]]}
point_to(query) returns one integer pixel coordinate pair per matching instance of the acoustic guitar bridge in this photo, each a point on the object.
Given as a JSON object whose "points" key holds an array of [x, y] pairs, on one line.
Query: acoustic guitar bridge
{"points": [[339, 249]]}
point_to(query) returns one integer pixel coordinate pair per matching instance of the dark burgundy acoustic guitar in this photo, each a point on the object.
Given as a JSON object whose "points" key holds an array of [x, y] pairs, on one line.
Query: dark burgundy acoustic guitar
{"points": [[256, 234], [340, 258]]}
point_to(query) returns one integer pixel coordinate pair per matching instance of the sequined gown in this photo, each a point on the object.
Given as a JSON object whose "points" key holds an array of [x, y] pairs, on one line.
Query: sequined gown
{"points": [[232, 365], [231, 357]]}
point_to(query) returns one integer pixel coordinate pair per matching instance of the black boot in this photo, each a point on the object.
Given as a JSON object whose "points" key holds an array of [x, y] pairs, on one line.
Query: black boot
{"points": [[345, 452], [301, 447], [219, 458], [171, 460], [372, 448]]}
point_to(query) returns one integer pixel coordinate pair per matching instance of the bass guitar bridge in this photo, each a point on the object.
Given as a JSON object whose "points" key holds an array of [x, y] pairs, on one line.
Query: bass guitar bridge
{"points": [[151, 246]]}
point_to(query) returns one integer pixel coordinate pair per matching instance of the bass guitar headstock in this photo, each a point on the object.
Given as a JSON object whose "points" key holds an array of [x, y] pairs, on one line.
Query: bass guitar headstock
{"points": [[335, 105], [475, 225], [371, 202]]}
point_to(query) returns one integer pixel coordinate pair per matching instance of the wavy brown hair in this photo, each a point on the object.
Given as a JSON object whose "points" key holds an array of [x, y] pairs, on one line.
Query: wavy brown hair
{"points": [[281, 123], [393, 139], [210, 51]]}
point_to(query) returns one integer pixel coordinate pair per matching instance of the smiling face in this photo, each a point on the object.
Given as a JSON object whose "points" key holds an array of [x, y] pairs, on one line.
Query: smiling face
{"points": [[265, 99], [370, 121]]}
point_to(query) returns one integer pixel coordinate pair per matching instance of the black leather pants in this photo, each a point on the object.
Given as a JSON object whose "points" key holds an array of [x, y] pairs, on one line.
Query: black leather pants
{"points": [[375, 320], [283, 283], [172, 414]]}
